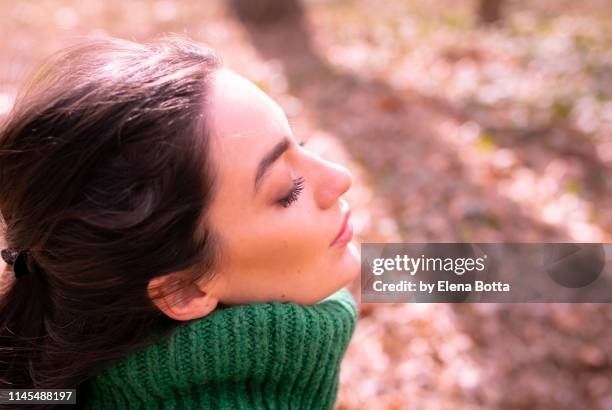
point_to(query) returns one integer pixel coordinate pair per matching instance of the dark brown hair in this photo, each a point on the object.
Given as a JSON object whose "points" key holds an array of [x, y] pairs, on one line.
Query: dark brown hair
{"points": [[105, 177]]}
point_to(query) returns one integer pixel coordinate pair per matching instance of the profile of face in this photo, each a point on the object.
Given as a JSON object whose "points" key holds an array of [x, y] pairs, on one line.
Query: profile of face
{"points": [[278, 210]]}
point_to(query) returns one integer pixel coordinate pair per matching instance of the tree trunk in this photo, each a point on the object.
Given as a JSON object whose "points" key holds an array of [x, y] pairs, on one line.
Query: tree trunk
{"points": [[264, 12], [489, 11]]}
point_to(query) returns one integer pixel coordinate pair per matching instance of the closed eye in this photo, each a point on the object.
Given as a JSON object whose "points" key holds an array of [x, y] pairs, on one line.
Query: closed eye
{"points": [[294, 193]]}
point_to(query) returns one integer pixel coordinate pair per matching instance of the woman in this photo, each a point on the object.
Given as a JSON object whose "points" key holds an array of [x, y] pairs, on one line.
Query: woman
{"points": [[172, 242]]}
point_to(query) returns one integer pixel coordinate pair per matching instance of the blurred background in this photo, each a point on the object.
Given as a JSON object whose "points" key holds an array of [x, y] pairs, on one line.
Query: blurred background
{"points": [[461, 120]]}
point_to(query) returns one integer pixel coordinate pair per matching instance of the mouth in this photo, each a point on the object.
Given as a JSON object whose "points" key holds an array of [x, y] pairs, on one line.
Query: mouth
{"points": [[345, 234]]}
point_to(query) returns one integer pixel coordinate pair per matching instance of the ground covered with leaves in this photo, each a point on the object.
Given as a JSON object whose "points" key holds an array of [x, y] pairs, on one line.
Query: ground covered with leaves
{"points": [[453, 132]]}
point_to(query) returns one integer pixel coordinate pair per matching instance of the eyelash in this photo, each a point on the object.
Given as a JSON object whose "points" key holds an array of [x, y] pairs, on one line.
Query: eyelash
{"points": [[292, 196]]}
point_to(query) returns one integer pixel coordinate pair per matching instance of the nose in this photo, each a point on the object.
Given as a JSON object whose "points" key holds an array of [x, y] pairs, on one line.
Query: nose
{"points": [[333, 181]]}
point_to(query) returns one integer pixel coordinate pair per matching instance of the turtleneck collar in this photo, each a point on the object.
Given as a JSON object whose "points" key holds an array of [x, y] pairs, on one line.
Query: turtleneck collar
{"points": [[260, 355]]}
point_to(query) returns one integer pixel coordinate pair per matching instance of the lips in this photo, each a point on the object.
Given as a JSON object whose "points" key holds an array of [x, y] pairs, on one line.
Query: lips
{"points": [[345, 233]]}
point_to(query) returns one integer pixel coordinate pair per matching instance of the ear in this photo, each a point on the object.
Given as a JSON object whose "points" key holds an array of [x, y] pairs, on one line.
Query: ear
{"points": [[180, 301]]}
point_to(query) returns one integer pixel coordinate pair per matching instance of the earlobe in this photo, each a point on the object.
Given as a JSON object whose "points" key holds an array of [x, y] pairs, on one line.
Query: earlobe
{"points": [[183, 303]]}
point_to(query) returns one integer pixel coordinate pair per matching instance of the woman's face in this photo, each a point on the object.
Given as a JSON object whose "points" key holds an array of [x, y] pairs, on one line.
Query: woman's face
{"points": [[278, 206]]}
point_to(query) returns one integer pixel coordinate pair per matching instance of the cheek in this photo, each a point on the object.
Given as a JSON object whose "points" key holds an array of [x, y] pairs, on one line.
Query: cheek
{"points": [[278, 242]]}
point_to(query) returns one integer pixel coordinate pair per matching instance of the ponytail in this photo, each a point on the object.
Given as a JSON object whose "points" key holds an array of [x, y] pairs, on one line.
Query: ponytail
{"points": [[23, 310]]}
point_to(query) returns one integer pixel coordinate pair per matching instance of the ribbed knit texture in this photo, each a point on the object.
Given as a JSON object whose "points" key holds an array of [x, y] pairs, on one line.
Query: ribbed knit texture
{"points": [[273, 355]]}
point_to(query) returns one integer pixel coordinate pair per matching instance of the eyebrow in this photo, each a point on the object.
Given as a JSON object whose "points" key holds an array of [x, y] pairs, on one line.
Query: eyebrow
{"points": [[268, 160]]}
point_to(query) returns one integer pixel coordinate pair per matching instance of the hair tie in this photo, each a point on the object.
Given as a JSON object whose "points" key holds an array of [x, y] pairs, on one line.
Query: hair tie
{"points": [[17, 259]]}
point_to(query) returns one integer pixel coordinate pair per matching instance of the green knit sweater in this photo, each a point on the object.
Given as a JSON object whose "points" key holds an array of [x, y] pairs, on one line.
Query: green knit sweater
{"points": [[273, 355]]}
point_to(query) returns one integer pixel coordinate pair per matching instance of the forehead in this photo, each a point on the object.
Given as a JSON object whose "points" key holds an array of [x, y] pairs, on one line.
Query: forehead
{"points": [[240, 112]]}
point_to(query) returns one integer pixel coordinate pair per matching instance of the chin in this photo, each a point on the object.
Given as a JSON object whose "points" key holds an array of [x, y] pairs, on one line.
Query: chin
{"points": [[354, 261], [351, 266]]}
